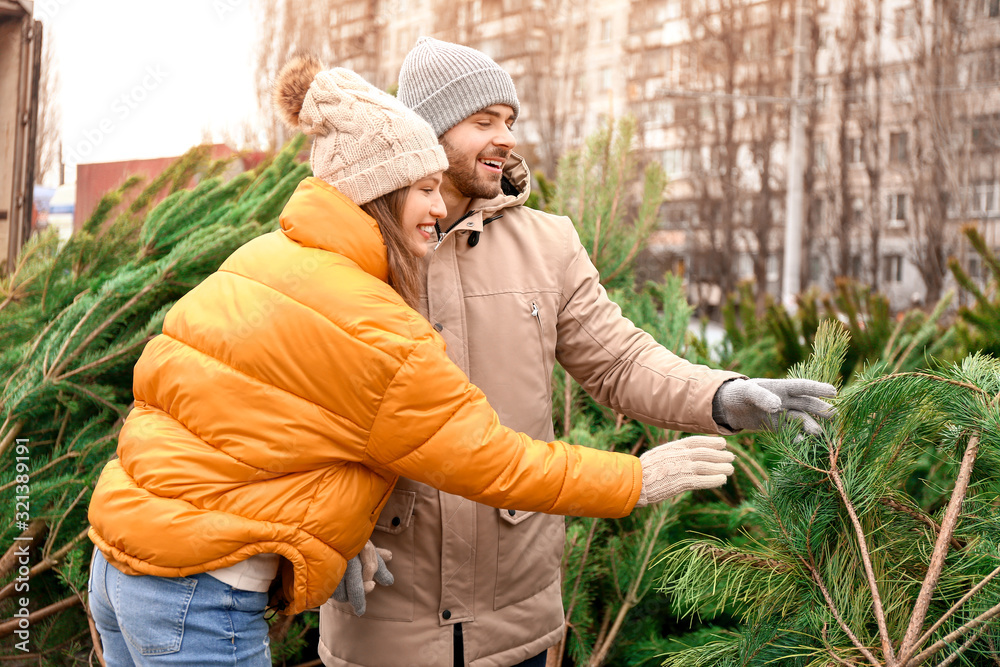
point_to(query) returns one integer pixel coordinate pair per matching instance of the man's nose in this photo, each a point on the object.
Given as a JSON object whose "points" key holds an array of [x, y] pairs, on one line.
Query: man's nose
{"points": [[505, 138]]}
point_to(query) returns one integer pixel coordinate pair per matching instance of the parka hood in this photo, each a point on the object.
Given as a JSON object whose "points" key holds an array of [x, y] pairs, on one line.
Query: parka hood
{"points": [[516, 173]]}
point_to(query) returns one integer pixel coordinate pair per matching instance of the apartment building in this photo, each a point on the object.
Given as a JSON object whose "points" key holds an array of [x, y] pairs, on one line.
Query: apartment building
{"points": [[901, 100]]}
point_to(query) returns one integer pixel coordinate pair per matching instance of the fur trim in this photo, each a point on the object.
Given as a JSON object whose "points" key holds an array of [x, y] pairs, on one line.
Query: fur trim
{"points": [[291, 86]]}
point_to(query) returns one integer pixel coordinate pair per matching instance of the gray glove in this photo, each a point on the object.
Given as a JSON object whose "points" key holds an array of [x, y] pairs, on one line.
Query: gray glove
{"points": [[697, 462], [363, 572], [757, 404]]}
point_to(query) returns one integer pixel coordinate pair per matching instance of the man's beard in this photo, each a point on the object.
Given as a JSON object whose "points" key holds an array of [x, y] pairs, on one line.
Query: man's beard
{"points": [[464, 176]]}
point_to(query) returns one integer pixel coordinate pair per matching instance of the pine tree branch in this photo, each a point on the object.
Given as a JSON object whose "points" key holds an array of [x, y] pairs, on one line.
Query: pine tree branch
{"points": [[928, 376], [8, 628], [86, 392], [597, 240], [37, 472], [600, 644], [883, 629], [95, 636], [961, 649], [46, 564], [62, 349], [146, 289], [865, 556], [818, 580], [948, 523], [10, 436], [625, 263], [723, 556], [829, 649], [576, 584], [106, 358], [632, 598], [982, 619], [921, 517], [8, 561], [55, 529], [743, 458], [836, 614]]}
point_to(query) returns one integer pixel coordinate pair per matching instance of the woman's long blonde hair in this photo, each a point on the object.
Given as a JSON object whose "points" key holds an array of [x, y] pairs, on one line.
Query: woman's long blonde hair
{"points": [[404, 268]]}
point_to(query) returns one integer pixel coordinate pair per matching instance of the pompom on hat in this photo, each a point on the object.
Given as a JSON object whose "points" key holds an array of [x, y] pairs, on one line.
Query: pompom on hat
{"points": [[366, 143], [446, 83]]}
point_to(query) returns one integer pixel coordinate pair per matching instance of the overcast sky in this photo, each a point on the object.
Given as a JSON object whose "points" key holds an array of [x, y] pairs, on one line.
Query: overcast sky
{"points": [[144, 79]]}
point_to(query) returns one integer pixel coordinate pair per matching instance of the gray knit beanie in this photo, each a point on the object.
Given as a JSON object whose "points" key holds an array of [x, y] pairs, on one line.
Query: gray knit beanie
{"points": [[365, 142], [446, 83]]}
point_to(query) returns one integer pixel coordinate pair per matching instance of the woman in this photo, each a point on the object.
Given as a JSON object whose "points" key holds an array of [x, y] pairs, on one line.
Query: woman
{"points": [[291, 388]]}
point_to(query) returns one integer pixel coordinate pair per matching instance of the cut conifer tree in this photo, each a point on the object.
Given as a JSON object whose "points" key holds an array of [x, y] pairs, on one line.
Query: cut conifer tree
{"points": [[860, 564]]}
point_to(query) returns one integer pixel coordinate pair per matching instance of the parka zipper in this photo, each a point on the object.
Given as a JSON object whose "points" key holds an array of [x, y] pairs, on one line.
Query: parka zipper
{"points": [[538, 319]]}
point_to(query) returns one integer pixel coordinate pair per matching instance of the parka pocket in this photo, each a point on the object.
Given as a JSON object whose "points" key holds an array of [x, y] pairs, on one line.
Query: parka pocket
{"points": [[529, 553], [397, 515]]}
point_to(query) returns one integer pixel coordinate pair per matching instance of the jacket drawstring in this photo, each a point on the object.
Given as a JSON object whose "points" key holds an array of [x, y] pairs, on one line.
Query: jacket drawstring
{"points": [[474, 236]]}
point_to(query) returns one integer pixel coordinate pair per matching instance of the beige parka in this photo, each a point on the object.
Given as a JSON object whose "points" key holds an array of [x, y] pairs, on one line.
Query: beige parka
{"points": [[509, 304]]}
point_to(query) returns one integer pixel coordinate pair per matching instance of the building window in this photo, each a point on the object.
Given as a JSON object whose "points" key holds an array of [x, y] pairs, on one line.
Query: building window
{"points": [[892, 268], [975, 268], [857, 212], [605, 30], [773, 268], [605, 80], [819, 154], [816, 214], [815, 268], [897, 210], [581, 36], [855, 152], [822, 91], [897, 146], [993, 8], [983, 199], [674, 161], [904, 22]]}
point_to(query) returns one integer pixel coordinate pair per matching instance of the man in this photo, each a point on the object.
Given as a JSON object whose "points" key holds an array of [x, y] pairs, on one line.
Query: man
{"points": [[512, 292]]}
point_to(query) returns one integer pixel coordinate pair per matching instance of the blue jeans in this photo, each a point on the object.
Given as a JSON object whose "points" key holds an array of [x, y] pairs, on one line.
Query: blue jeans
{"points": [[195, 620]]}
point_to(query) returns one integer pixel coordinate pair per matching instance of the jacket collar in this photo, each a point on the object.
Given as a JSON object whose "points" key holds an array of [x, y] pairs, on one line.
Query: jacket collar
{"points": [[515, 171], [319, 216]]}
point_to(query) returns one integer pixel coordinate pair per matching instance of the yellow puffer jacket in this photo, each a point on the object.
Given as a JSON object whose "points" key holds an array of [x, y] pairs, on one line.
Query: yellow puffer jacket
{"points": [[284, 397]]}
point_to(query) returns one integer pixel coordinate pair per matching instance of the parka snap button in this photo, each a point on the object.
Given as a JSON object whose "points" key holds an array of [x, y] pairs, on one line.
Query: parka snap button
{"points": [[395, 521], [446, 614], [438, 326], [512, 512], [469, 224]]}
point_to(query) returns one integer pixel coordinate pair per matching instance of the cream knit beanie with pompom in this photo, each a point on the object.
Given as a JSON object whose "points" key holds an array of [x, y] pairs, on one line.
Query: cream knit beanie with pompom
{"points": [[365, 142]]}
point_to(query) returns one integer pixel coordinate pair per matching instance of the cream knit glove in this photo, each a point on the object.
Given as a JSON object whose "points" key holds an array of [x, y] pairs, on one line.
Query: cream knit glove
{"points": [[697, 462]]}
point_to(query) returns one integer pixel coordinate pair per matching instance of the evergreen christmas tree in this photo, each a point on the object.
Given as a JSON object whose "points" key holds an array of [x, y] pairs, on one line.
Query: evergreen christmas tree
{"points": [[847, 557], [980, 322]]}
